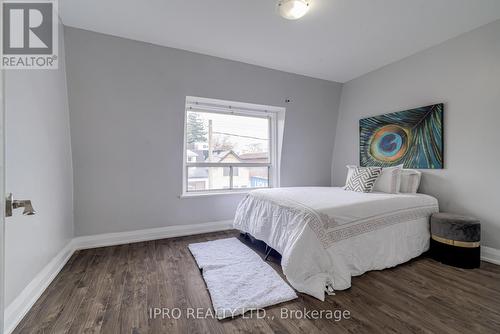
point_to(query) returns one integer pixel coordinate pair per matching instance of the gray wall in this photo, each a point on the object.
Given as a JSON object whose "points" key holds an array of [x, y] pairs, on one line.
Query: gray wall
{"points": [[127, 107], [38, 167], [464, 73]]}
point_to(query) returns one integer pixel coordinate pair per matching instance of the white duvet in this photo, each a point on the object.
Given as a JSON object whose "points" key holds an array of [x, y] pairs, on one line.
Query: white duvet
{"points": [[326, 235]]}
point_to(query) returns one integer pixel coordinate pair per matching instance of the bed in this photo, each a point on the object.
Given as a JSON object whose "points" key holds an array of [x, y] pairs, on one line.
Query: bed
{"points": [[326, 235]]}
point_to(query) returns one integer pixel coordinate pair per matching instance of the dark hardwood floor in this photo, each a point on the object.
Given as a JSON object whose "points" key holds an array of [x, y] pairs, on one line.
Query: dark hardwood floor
{"points": [[112, 289]]}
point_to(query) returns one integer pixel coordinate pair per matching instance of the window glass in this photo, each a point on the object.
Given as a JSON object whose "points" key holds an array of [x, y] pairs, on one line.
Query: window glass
{"points": [[226, 138], [207, 178]]}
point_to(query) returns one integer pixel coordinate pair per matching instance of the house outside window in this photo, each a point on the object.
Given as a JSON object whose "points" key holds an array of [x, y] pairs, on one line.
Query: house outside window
{"points": [[230, 146]]}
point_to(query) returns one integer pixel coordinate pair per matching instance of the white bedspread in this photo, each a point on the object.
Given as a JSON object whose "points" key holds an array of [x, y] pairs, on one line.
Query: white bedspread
{"points": [[326, 234]]}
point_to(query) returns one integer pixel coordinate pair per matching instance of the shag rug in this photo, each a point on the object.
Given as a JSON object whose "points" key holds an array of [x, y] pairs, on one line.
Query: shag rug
{"points": [[237, 278]]}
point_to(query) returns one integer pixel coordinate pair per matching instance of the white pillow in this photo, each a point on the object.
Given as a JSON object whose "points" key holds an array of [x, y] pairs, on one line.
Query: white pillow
{"points": [[410, 181], [350, 170], [388, 182]]}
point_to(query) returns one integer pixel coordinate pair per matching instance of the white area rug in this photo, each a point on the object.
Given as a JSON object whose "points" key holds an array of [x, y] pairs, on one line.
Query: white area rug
{"points": [[237, 278]]}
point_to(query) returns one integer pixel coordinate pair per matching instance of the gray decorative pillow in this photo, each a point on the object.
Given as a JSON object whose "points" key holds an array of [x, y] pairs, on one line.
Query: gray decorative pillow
{"points": [[363, 179], [410, 180]]}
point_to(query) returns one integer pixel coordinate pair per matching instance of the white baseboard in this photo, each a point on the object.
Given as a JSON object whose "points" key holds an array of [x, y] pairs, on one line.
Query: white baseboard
{"points": [[489, 254], [110, 239], [16, 310]]}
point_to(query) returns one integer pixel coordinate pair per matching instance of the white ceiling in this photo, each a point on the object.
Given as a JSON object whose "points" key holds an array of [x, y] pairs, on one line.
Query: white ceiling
{"points": [[337, 40]]}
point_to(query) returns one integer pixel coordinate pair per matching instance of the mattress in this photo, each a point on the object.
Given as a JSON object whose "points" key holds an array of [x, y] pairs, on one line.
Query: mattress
{"points": [[326, 235]]}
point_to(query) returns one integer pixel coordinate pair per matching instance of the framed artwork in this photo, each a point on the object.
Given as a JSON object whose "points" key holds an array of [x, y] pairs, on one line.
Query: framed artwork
{"points": [[412, 137]]}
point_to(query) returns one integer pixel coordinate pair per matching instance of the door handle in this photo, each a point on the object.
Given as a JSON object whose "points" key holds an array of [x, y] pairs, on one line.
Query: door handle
{"points": [[12, 204]]}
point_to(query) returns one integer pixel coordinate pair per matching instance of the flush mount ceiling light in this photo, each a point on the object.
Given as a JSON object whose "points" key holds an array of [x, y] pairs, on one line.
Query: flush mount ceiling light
{"points": [[293, 9]]}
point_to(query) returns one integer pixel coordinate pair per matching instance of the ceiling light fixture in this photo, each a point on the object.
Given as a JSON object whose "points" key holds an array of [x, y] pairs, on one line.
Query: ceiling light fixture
{"points": [[293, 9]]}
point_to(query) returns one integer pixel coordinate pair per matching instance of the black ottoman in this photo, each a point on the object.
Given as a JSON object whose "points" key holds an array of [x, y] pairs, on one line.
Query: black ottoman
{"points": [[455, 240]]}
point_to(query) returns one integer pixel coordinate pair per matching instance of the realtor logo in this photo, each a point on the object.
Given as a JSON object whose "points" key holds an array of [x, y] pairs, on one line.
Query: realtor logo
{"points": [[29, 38]]}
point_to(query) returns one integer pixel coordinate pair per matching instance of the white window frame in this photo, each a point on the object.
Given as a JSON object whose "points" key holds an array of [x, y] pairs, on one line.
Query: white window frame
{"points": [[276, 125]]}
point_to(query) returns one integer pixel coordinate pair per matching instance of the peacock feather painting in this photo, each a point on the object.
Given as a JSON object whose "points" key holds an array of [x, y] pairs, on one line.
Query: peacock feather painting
{"points": [[413, 138]]}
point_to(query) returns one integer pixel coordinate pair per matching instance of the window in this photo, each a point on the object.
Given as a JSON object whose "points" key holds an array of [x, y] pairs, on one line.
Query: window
{"points": [[230, 146], [227, 171]]}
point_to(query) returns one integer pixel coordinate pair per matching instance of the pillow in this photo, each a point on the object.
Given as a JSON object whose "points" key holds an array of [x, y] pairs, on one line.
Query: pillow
{"points": [[363, 179], [410, 180], [350, 169], [388, 182]]}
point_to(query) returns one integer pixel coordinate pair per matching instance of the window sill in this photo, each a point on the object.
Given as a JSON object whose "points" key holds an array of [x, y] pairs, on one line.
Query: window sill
{"points": [[214, 193]]}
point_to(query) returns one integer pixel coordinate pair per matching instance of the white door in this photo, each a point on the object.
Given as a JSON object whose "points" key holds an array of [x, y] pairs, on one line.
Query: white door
{"points": [[2, 200], [2, 190]]}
